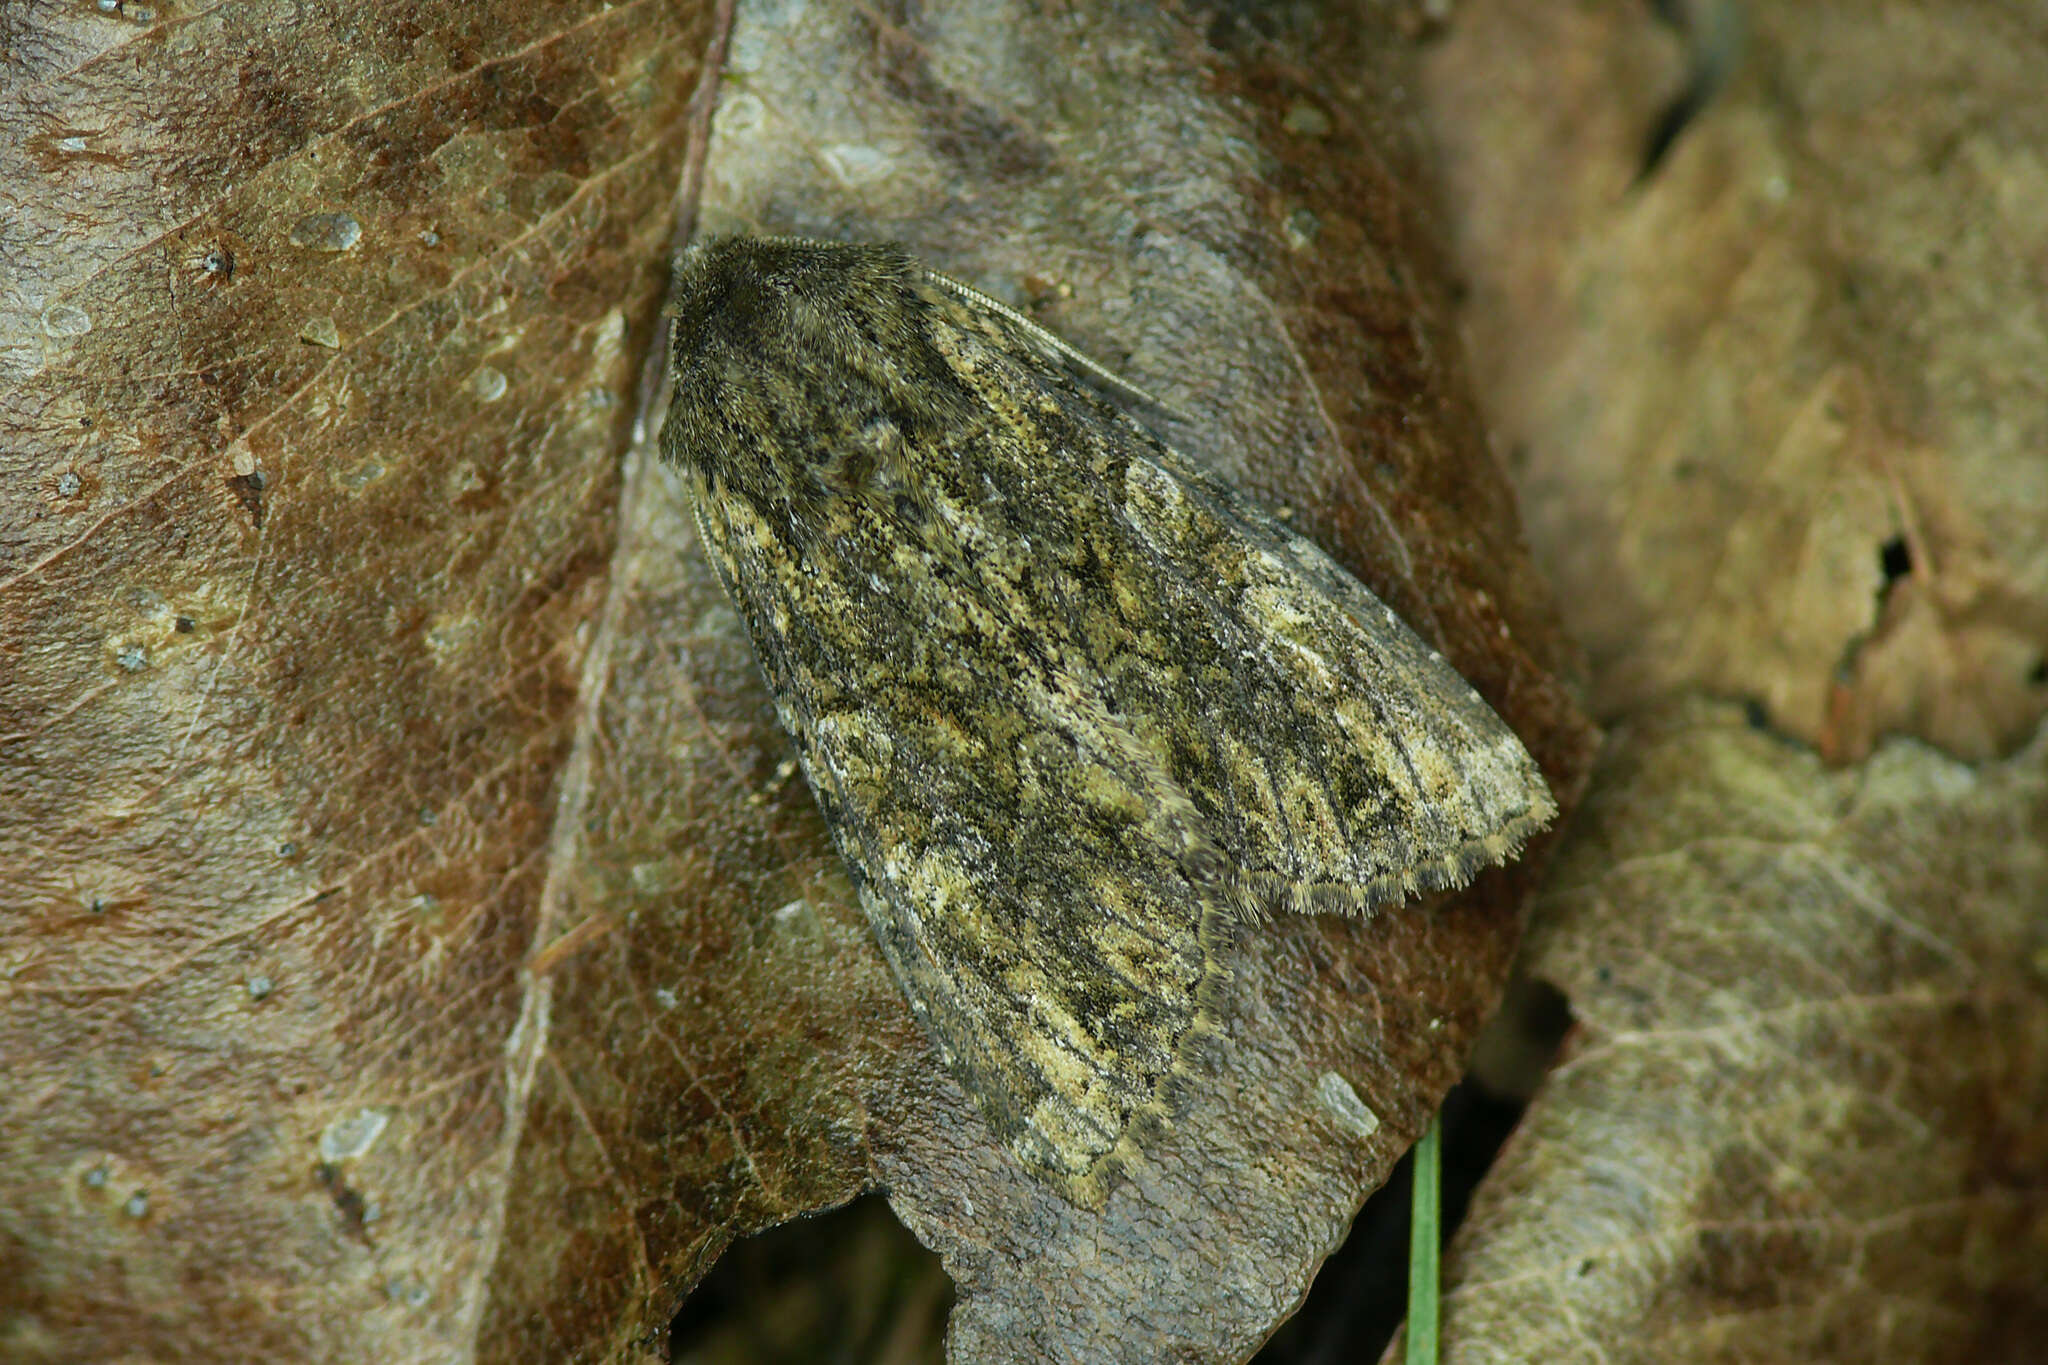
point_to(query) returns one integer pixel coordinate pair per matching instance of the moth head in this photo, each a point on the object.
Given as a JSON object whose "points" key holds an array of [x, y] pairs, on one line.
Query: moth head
{"points": [[776, 302], [800, 367]]}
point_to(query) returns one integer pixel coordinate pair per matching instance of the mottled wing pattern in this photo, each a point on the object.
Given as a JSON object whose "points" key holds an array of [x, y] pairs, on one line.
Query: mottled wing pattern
{"points": [[1068, 703], [1338, 761], [1037, 882]]}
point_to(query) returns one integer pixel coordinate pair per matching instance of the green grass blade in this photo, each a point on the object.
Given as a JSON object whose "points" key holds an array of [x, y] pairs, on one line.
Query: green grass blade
{"points": [[1425, 1239]]}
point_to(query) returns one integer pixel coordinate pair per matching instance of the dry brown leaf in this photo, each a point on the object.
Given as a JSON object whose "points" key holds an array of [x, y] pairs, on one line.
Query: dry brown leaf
{"points": [[1770, 411], [738, 1045], [1775, 410], [417, 941], [1799, 1117], [319, 334]]}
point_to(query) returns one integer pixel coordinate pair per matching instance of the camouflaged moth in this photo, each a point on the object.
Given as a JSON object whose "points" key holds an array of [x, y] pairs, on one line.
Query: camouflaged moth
{"points": [[1070, 704]]}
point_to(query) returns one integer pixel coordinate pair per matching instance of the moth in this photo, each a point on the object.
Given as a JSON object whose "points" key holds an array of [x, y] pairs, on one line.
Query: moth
{"points": [[1070, 705]]}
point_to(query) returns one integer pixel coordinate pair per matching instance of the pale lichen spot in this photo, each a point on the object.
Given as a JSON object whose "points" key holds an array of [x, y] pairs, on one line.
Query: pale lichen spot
{"points": [[352, 1135], [1341, 1102]]}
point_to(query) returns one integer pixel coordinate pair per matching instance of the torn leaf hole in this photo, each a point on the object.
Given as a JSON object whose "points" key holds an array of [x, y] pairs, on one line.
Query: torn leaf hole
{"points": [[1896, 559], [1712, 33]]}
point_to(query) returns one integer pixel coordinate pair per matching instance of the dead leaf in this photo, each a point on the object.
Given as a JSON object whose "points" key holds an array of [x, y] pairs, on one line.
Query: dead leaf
{"points": [[1766, 408], [736, 1053], [1774, 408], [319, 333], [1800, 1114]]}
